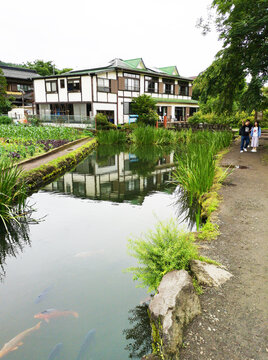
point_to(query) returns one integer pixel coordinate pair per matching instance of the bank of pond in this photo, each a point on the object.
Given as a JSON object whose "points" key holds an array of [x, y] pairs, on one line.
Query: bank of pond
{"points": [[65, 250]]}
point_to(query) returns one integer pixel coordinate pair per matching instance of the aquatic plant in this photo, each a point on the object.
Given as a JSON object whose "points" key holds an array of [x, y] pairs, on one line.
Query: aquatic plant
{"points": [[111, 137], [12, 196], [160, 251]]}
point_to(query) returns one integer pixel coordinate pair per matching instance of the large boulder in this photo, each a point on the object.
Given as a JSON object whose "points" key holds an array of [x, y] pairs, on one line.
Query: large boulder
{"points": [[171, 309], [209, 274]]}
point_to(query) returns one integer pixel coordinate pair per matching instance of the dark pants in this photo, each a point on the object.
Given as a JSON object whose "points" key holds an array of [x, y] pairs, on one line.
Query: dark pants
{"points": [[244, 142]]}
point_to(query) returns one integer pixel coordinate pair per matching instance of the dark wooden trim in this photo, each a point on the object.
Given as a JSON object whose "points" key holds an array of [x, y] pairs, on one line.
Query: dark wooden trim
{"points": [[117, 105]]}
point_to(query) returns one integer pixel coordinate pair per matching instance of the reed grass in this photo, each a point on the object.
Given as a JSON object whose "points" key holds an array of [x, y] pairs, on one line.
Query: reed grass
{"points": [[109, 137], [12, 196]]}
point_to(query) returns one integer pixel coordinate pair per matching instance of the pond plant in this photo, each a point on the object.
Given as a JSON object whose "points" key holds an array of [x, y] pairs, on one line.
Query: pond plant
{"points": [[12, 196], [111, 137]]}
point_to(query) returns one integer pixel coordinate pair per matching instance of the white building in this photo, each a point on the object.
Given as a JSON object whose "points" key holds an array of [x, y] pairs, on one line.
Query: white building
{"points": [[110, 90]]}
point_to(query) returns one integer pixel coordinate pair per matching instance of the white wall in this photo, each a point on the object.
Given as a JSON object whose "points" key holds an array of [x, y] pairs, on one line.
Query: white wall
{"points": [[86, 88], [62, 92], [39, 90]]}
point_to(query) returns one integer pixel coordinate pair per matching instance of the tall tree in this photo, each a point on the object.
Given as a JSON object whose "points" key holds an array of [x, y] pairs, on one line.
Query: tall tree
{"points": [[242, 25], [45, 68], [5, 104]]}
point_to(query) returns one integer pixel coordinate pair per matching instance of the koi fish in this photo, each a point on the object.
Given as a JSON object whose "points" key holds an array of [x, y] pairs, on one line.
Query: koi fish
{"points": [[53, 313], [14, 343], [42, 295], [55, 351], [84, 347]]}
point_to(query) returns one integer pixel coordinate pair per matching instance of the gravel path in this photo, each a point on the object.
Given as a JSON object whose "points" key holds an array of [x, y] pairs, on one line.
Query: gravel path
{"points": [[234, 321]]}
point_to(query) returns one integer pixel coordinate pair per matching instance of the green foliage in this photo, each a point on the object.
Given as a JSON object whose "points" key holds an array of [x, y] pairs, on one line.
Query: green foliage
{"points": [[5, 120], [103, 123], [209, 231], [147, 135], [235, 119], [5, 104], [145, 107], [242, 26], [45, 68], [35, 121], [10, 193], [161, 251], [111, 137]]}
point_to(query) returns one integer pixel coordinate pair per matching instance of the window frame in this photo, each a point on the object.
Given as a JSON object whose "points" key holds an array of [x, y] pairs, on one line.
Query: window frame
{"points": [[102, 88], [132, 77], [186, 86], [51, 82], [72, 81], [62, 83], [169, 82], [152, 80]]}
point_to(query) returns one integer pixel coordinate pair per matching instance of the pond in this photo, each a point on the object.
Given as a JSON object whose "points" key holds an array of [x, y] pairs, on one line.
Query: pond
{"points": [[72, 260]]}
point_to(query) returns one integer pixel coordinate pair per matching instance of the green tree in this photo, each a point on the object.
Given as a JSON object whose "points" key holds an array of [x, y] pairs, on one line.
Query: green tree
{"points": [[145, 107], [242, 25], [45, 68], [5, 104]]}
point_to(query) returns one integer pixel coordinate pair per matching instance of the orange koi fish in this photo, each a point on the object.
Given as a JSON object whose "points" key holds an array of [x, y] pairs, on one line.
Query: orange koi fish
{"points": [[14, 343], [53, 313]]}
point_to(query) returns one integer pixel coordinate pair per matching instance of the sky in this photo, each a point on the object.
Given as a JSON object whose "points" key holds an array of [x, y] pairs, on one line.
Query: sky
{"points": [[89, 33]]}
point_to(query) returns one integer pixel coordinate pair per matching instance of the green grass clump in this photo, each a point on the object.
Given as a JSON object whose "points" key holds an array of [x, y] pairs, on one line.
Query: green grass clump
{"points": [[109, 137], [161, 251], [10, 193], [209, 231], [148, 135]]}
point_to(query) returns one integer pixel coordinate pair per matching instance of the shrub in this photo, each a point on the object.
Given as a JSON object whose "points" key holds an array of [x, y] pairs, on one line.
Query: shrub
{"points": [[145, 107], [5, 120], [35, 121], [234, 120], [103, 123], [161, 251]]}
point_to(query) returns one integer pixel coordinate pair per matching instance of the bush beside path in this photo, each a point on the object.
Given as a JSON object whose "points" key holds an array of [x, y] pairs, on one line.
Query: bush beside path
{"points": [[233, 324]]}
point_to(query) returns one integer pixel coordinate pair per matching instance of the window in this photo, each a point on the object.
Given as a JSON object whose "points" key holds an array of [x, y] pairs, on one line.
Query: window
{"points": [[127, 108], [151, 84], [73, 85], [162, 110], [62, 84], [132, 82], [23, 87], [168, 86], [51, 86], [184, 89], [104, 85]]}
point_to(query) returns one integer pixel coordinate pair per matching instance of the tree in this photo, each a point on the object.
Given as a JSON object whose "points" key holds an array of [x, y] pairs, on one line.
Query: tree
{"points": [[45, 68], [145, 107], [242, 25], [5, 104]]}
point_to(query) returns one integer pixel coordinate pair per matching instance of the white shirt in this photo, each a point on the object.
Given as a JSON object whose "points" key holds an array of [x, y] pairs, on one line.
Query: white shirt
{"points": [[255, 131]]}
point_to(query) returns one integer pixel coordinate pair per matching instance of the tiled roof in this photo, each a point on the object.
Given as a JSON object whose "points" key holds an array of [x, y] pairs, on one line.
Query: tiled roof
{"points": [[18, 73], [170, 70]]}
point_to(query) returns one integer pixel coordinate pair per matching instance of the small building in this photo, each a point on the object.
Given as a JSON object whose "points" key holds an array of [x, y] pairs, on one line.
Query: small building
{"points": [[110, 90], [20, 84]]}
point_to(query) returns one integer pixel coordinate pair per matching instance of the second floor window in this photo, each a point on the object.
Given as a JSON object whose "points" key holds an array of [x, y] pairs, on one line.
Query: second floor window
{"points": [[184, 89], [168, 86], [132, 82], [51, 86], [151, 84], [73, 85], [104, 85]]}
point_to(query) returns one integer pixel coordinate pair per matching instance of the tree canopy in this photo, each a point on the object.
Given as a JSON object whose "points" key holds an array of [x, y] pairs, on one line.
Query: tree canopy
{"points": [[242, 25], [45, 68], [145, 107], [5, 104]]}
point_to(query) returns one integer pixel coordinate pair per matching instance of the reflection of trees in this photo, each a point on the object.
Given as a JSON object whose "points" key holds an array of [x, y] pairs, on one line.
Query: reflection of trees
{"points": [[186, 212], [105, 152], [14, 235], [140, 333]]}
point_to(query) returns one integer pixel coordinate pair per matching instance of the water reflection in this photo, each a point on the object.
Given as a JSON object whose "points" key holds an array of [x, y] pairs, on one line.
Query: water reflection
{"points": [[139, 335], [14, 236], [118, 174]]}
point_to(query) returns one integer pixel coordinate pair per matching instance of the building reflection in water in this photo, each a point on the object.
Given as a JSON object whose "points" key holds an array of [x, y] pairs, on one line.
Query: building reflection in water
{"points": [[120, 177]]}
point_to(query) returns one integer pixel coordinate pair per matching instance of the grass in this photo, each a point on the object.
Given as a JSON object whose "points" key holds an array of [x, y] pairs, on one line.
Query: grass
{"points": [[109, 137], [10, 193], [147, 135], [161, 251]]}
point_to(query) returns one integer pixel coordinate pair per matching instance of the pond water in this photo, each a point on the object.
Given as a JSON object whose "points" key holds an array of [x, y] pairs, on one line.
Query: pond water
{"points": [[72, 260]]}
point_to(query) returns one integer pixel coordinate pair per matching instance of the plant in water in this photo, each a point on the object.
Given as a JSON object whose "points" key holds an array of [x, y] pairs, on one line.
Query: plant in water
{"points": [[12, 196], [111, 137], [160, 251]]}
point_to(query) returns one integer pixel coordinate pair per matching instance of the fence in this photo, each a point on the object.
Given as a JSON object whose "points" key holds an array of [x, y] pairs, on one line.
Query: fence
{"points": [[67, 120], [201, 126]]}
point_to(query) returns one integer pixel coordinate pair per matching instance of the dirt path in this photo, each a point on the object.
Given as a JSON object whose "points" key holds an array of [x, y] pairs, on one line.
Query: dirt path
{"points": [[234, 322], [49, 157]]}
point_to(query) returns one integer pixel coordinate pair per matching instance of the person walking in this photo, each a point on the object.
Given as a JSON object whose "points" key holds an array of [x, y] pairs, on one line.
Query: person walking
{"points": [[244, 132], [255, 135]]}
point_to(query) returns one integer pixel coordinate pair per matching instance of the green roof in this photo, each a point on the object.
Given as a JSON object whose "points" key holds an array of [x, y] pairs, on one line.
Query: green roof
{"points": [[180, 101], [135, 63], [170, 70]]}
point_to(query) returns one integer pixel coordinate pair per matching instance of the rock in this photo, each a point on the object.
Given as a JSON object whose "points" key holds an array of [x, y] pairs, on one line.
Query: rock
{"points": [[171, 309], [151, 357], [209, 274]]}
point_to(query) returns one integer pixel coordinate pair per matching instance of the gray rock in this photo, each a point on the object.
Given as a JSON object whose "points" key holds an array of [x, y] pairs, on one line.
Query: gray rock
{"points": [[171, 309], [209, 274], [151, 357]]}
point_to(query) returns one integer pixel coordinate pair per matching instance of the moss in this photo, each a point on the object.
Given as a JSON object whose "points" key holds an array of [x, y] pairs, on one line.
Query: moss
{"points": [[157, 343], [209, 231]]}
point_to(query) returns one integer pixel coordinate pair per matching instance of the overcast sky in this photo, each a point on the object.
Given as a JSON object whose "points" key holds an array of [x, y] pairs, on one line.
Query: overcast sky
{"points": [[88, 33]]}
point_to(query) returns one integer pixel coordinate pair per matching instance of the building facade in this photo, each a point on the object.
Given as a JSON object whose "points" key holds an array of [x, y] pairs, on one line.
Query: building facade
{"points": [[110, 90], [19, 84]]}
